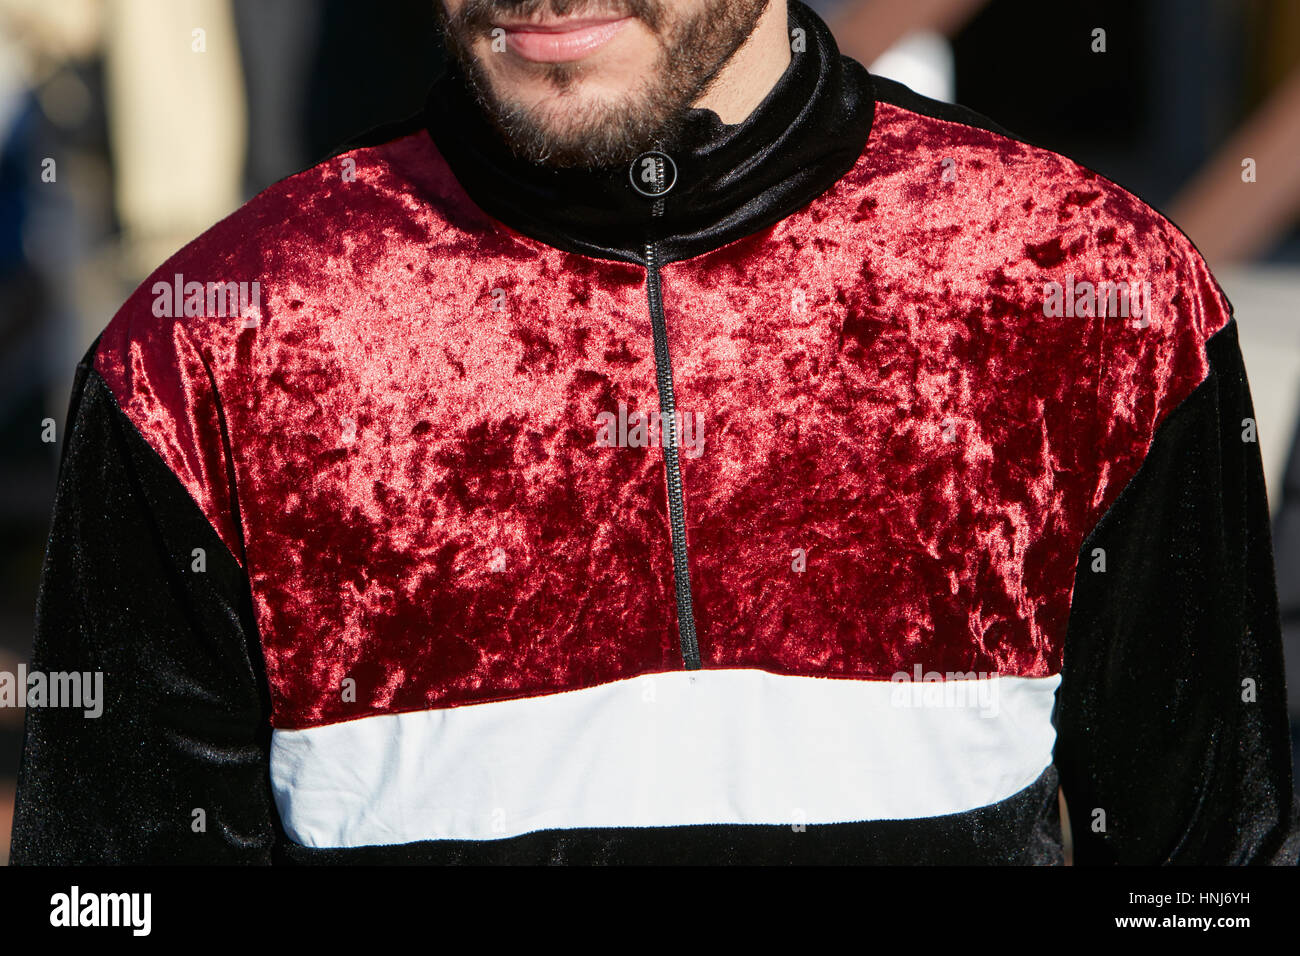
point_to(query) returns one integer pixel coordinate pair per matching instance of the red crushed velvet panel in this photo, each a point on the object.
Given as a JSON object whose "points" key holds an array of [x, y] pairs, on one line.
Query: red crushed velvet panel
{"points": [[883, 392], [413, 424]]}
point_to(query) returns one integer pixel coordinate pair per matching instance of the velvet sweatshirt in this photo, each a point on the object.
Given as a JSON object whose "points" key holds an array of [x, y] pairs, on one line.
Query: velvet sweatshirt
{"points": [[834, 487]]}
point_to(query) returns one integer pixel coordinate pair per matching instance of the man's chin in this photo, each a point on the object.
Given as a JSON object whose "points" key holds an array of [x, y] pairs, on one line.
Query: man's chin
{"points": [[555, 94], [575, 129], [569, 147]]}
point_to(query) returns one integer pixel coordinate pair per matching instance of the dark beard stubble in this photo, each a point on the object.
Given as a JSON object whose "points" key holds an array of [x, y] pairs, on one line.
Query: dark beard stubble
{"points": [[693, 52]]}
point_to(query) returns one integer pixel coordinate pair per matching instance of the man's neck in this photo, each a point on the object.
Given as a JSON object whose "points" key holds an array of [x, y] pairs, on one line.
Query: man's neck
{"points": [[794, 126], [753, 70]]}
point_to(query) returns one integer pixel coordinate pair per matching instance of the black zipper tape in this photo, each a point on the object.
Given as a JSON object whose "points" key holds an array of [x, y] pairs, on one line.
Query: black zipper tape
{"points": [[672, 466]]}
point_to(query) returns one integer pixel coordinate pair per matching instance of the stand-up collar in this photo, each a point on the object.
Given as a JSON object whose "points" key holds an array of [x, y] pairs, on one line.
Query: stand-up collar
{"points": [[722, 181]]}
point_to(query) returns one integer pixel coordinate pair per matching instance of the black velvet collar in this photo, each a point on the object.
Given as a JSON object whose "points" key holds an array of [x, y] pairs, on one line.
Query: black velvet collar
{"points": [[730, 180]]}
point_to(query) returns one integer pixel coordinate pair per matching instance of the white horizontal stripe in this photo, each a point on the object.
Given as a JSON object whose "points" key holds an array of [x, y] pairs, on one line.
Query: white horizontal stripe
{"points": [[709, 746]]}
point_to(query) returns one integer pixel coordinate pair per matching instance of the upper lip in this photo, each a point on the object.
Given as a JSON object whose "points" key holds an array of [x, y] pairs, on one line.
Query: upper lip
{"points": [[558, 24]]}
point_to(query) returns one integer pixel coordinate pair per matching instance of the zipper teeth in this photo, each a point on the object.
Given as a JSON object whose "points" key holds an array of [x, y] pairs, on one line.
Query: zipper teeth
{"points": [[672, 466]]}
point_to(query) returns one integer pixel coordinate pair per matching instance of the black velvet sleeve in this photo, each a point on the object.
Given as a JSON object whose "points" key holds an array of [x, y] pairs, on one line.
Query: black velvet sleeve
{"points": [[175, 768], [1173, 742]]}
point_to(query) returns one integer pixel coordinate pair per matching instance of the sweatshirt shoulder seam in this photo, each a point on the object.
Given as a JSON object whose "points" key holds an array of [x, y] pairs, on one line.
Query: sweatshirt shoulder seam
{"points": [[901, 97], [92, 372]]}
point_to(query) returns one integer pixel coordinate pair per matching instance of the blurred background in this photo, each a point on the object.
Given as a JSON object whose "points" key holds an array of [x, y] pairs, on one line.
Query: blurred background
{"points": [[127, 127]]}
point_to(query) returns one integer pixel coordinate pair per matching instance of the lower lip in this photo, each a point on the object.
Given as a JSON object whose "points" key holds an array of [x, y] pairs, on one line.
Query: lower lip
{"points": [[562, 46]]}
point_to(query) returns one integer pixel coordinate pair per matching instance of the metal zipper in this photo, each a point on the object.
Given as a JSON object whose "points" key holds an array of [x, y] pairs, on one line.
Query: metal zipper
{"points": [[672, 467]]}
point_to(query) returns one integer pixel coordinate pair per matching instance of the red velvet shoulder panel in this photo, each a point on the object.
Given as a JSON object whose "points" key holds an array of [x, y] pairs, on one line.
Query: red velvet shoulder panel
{"points": [[900, 453], [892, 408]]}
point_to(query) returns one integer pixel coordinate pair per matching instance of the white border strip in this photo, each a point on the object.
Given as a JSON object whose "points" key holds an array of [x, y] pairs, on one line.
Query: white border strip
{"points": [[684, 747]]}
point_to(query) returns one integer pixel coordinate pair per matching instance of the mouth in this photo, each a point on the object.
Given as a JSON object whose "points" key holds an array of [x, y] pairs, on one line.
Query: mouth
{"points": [[561, 40]]}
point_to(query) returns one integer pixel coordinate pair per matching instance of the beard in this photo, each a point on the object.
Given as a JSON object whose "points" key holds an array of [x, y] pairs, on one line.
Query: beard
{"points": [[693, 49]]}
